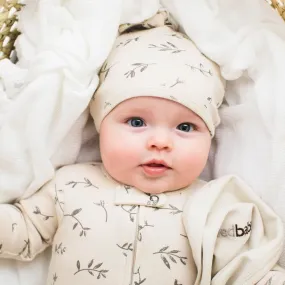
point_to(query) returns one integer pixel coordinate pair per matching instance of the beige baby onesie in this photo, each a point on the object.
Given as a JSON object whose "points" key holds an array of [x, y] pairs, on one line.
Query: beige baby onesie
{"points": [[103, 232]]}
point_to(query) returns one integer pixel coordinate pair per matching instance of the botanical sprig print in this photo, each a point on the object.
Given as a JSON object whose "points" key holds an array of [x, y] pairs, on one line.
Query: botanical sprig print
{"points": [[128, 41], [173, 210], [171, 85], [140, 228], [127, 188], [59, 249], [168, 46], [209, 99], [201, 69], [102, 204], [37, 211], [92, 269], [172, 254], [131, 211], [13, 226], [173, 98], [77, 222], [178, 36], [54, 278], [141, 280], [26, 249], [137, 66], [86, 183], [126, 247], [105, 70], [107, 104], [178, 81], [56, 198]]}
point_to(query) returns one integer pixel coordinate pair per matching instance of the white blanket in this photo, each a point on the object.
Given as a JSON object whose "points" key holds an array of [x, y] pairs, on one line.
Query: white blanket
{"points": [[43, 98]]}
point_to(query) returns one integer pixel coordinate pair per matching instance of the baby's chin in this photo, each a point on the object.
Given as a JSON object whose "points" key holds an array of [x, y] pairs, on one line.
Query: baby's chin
{"points": [[155, 185], [159, 188]]}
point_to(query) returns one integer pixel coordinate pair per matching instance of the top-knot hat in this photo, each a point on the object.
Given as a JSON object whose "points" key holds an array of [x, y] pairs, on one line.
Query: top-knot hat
{"points": [[159, 62]]}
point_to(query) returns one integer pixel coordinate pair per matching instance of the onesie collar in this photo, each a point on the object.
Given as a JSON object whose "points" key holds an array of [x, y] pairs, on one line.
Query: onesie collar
{"points": [[129, 195]]}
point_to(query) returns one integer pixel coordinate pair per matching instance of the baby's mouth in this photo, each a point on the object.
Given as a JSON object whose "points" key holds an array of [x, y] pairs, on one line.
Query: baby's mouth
{"points": [[155, 165], [155, 168]]}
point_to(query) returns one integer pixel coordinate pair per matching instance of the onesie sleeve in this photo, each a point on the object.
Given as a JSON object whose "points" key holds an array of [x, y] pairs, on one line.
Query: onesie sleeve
{"points": [[235, 237], [28, 226]]}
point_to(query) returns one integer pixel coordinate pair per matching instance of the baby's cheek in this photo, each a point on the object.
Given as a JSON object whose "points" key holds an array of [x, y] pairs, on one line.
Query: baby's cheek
{"points": [[119, 155], [195, 159]]}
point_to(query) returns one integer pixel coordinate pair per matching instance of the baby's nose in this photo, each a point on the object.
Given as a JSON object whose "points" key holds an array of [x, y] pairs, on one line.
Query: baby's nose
{"points": [[160, 140]]}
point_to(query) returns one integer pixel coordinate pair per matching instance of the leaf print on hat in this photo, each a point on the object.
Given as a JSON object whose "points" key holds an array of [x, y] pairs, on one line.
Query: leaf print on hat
{"points": [[172, 84], [141, 66], [13, 226], [178, 36], [127, 42], [178, 81], [105, 70], [91, 269], [172, 254], [173, 98], [168, 46], [107, 104], [176, 282], [201, 68]]}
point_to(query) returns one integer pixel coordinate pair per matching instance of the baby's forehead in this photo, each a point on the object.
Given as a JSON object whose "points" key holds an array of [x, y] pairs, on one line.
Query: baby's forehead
{"points": [[149, 101], [155, 105]]}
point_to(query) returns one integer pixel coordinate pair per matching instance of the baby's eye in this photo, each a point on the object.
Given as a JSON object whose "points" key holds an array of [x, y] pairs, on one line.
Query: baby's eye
{"points": [[186, 127], [136, 122]]}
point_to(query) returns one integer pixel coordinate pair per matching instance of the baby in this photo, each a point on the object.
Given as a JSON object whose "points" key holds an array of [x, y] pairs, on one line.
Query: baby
{"points": [[142, 216]]}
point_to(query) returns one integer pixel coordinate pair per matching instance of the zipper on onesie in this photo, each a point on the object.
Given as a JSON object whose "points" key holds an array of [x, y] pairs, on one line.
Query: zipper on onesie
{"points": [[135, 245]]}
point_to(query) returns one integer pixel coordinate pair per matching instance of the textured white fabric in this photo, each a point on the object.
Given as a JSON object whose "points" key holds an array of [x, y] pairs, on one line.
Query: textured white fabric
{"points": [[235, 237]]}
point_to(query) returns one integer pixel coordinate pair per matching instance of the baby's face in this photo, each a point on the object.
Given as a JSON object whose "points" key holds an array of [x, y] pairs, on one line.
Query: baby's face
{"points": [[154, 144]]}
